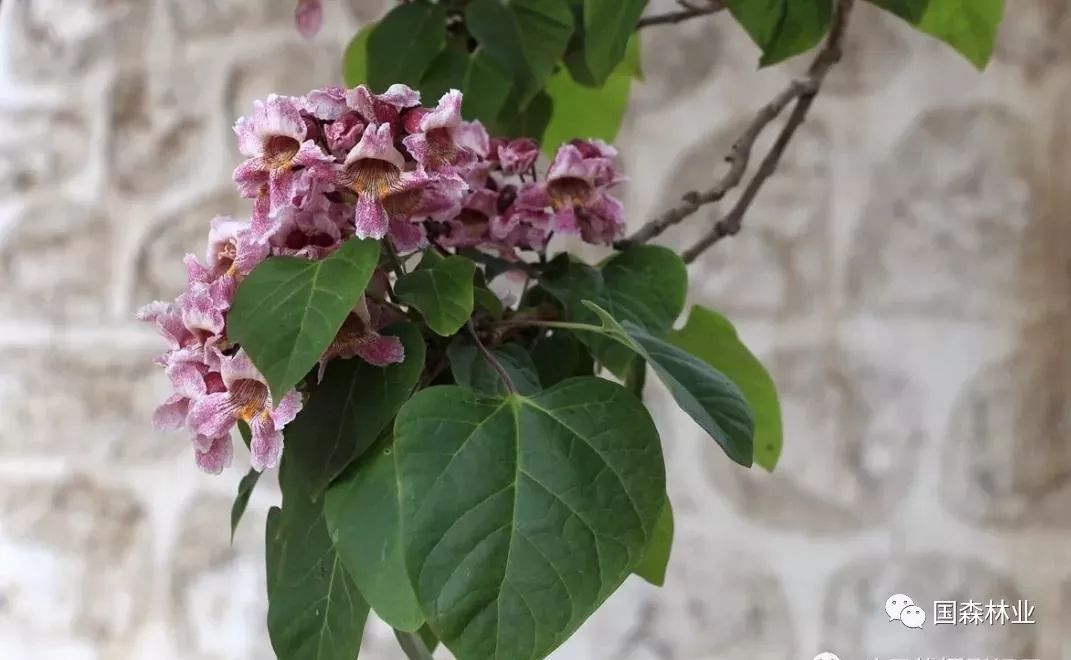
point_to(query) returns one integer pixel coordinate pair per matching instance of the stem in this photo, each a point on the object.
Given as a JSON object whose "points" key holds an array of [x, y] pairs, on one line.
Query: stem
{"points": [[412, 645], [688, 12], [399, 268], [489, 356], [564, 325]]}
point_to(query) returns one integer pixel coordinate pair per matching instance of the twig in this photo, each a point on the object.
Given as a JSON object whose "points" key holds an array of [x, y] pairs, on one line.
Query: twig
{"points": [[803, 93], [680, 15], [492, 360]]}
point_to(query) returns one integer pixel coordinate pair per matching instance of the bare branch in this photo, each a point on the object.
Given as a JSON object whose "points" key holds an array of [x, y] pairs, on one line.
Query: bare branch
{"points": [[688, 12], [803, 93]]}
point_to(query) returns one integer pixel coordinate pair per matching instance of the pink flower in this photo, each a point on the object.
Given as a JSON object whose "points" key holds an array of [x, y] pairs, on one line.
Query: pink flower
{"points": [[385, 108], [375, 171], [518, 156], [342, 134], [309, 17], [213, 454], [357, 338], [431, 138], [167, 317], [575, 188], [275, 142], [326, 104], [307, 232], [246, 398]]}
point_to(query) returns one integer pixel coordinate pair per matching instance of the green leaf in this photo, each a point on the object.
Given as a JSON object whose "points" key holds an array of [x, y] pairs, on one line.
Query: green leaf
{"points": [[484, 82], [608, 25], [580, 111], [525, 37], [348, 411], [472, 370], [645, 285], [655, 560], [712, 338], [709, 398], [783, 28], [241, 501], [404, 43], [273, 544], [484, 298], [315, 611], [969, 26], [362, 519], [355, 58], [558, 355], [441, 289], [530, 121], [289, 309], [523, 514]]}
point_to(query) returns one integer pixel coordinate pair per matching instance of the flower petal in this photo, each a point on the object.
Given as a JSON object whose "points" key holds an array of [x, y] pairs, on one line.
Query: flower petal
{"points": [[218, 455], [211, 415], [371, 218], [266, 445]]}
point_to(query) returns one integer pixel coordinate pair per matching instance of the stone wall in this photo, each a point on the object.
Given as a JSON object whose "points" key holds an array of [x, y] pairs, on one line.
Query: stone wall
{"points": [[907, 275]]}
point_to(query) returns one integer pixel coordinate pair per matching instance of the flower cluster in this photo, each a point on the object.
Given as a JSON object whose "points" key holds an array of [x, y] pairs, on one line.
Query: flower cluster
{"points": [[340, 163]]}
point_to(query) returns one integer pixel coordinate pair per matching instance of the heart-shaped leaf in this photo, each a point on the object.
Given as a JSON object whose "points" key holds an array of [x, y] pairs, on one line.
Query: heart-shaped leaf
{"points": [[404, 43], [287, 311], [656, 558], [471, 369], [522, 514]]}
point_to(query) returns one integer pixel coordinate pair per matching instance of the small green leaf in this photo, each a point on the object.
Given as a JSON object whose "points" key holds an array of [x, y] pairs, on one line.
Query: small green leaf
{"points": [[530, 121], [484, 298], [362, 519], [608, 25], [523, 514], [315, 611], [273, 544], [525, 37], [709, 398], [646, 285], [581, 111], [348, 411], [404, 43], [486, 87], [289, 309], [969, 26], [713, 339], [355, 58], [783, 28], [442, 290], [655, 560], [241, 501], [472, 370]]}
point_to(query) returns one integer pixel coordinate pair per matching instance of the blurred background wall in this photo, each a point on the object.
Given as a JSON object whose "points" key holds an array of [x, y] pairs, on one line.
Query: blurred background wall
{"points": [[907, 275]]}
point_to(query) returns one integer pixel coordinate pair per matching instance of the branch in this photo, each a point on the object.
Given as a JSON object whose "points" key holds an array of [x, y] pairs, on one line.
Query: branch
{"points": [[803, 93], [681, 15], [492, 360]]}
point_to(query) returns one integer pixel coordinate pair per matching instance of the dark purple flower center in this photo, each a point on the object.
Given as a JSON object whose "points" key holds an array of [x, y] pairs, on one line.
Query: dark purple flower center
{"points": [[372, 176], [248, 398]]}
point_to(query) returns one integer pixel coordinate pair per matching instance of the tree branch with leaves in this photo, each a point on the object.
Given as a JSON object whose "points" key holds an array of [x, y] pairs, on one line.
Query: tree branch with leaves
{"points": [[454, 403]]}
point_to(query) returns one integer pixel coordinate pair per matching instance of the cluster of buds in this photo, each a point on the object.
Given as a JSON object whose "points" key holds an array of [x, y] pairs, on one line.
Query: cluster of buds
{"points": [[340, 163]]}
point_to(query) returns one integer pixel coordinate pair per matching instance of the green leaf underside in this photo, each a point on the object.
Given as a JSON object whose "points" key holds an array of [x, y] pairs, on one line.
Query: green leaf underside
{"points": [[783, 28], [442, 289], [646, 285], [524, 37], [655, 560], [969, 26], [355, 58], [362, 519], [709, 398], [404, 43], [471, 368], [523, 514], [287, 311], [608, 25], [315, 611], [581, 111], [712, 338], [348, 411]]}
